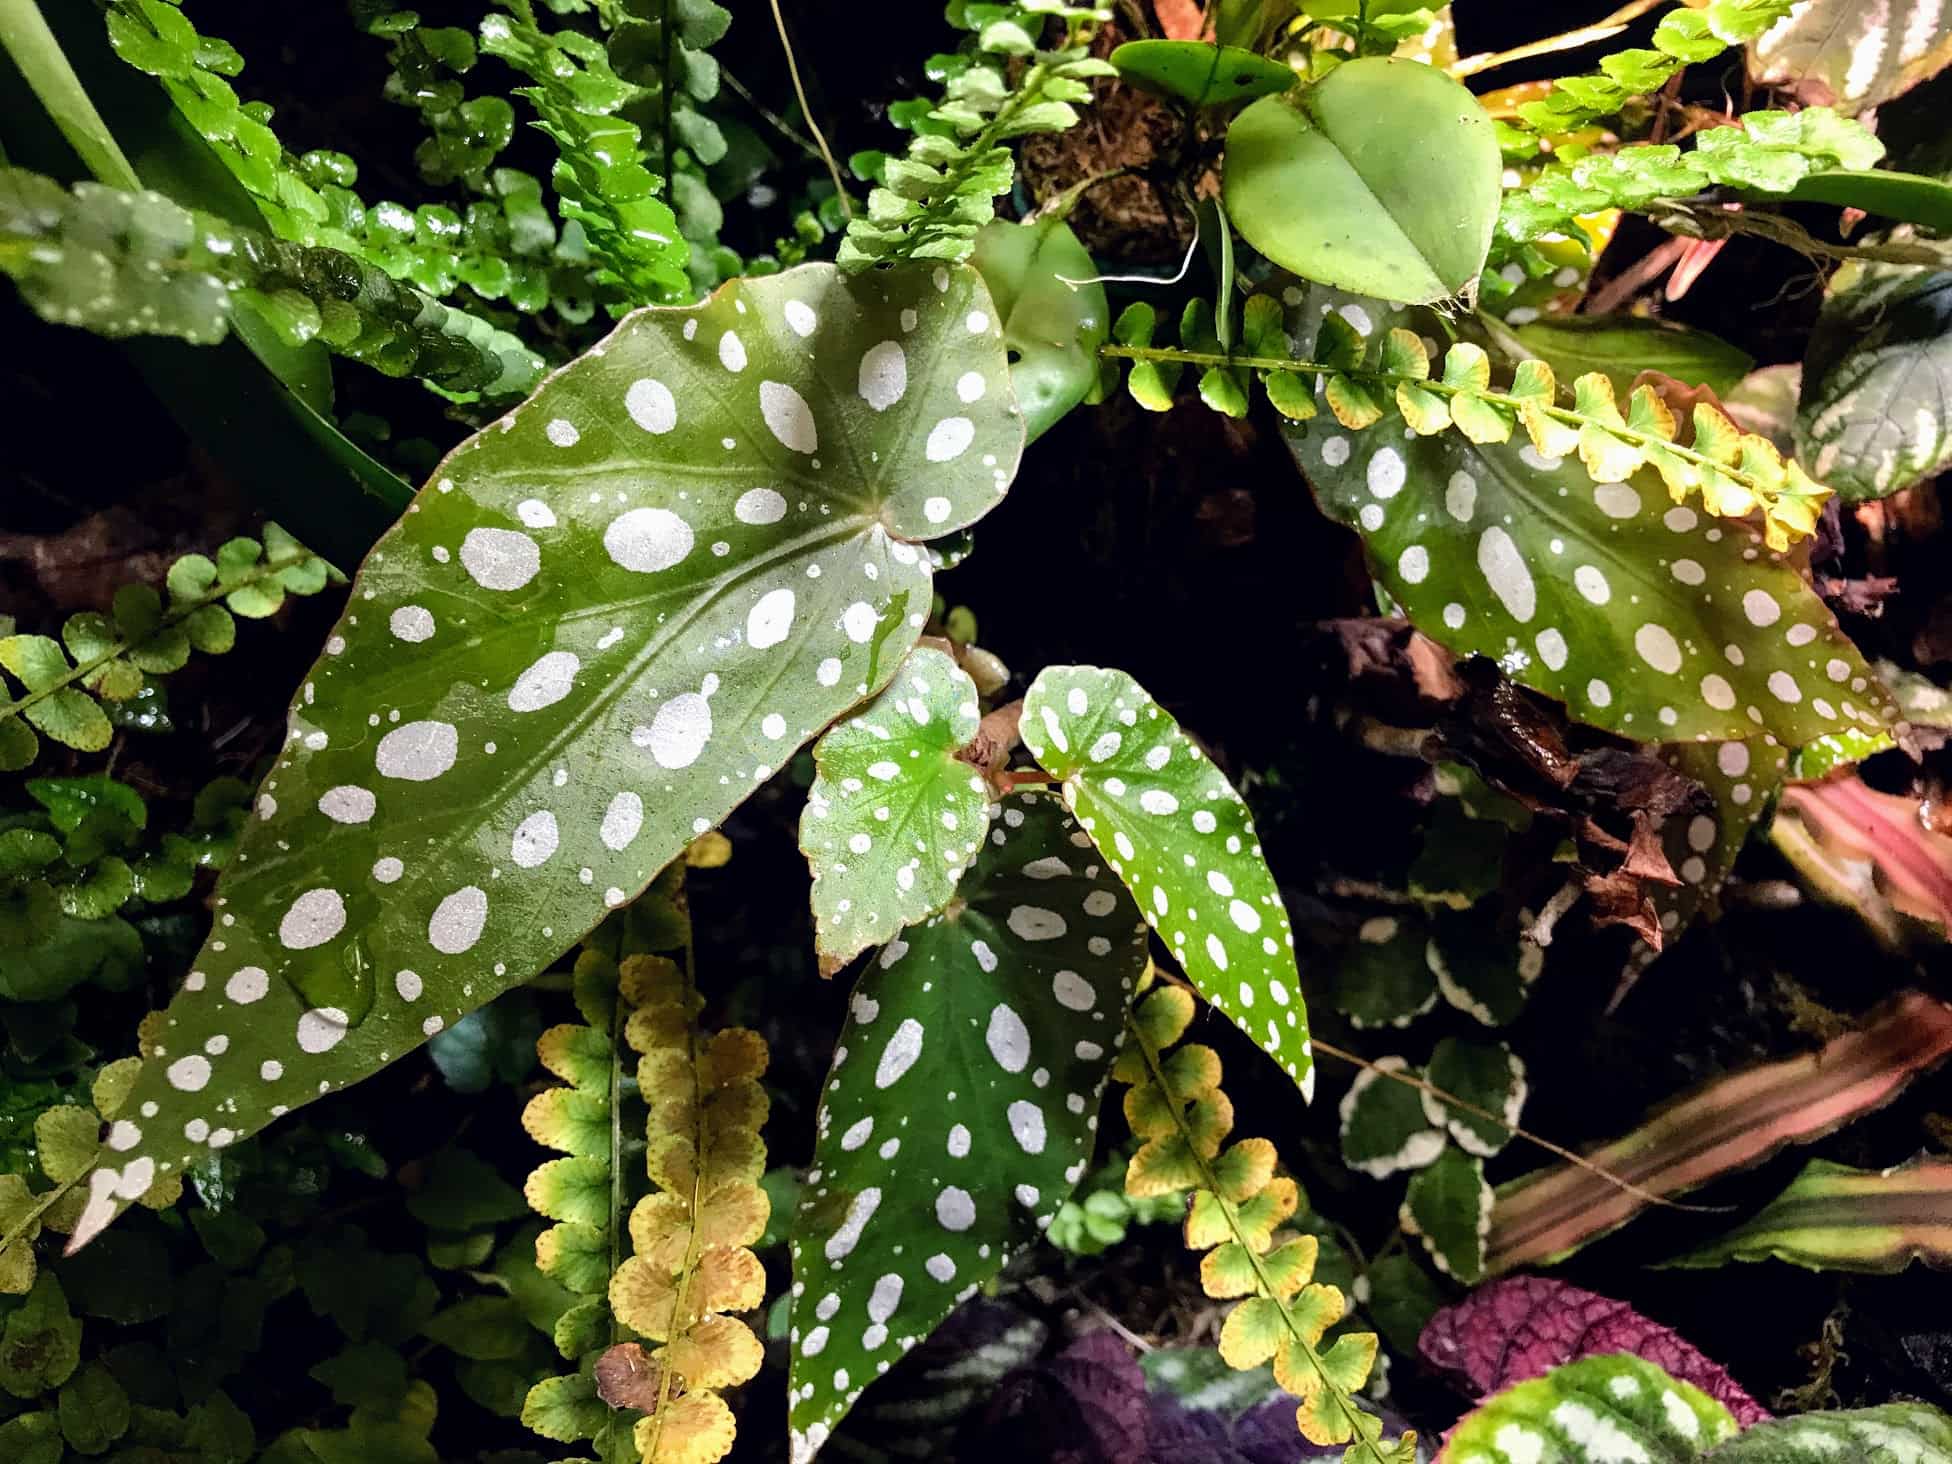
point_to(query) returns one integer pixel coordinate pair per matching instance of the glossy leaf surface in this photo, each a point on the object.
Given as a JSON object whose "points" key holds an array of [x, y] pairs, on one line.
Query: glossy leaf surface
{"points": [[1873, 415], [1835, 1218], [1615, 1407], [1852, 54], [1200, 72], [1053, 329], [1400, 171], [1623, 346], [1645, 617], [1173, 828], [962, 1103], [893, 817], [609, 617]]}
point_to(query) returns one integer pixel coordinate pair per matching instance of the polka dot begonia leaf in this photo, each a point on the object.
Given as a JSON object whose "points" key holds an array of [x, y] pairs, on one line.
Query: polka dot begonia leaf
{"points": [[1743, 777], [1615, 1406], [893, 817], [1173, 828], [609, 617], [962, 1104], [1645, 617]]}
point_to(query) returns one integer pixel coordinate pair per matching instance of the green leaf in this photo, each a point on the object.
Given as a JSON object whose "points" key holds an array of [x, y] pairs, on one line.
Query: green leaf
{"points": [[1199, 72], [1701, 847], [1598, 1408], [94, 1410], [894, 816], [1401, 171], [1384, 1128], [1645, 617], [1906, 197], [1383, 979], [1481, 967], [1401, 1299], [1448, 1206], [67, 1136], [494, 1044], [1895, 1431], [1835, 1218], [1873, 416], [40, 1343], [1623, 346], [565, 1409], [1173, 828], [365, 1375], [462, 1192], [1488, 1075], [1053, 329], [605, 628], [962, 1104], [32, 1438], [484, 1328], [1853, 55]]}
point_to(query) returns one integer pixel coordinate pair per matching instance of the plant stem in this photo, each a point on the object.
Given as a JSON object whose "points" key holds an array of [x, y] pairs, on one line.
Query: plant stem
{"points": [[1763, 492], [1571, 40], [25, 35], [177, 614], [1209, 1181], [813, 125], [41, 1207]]}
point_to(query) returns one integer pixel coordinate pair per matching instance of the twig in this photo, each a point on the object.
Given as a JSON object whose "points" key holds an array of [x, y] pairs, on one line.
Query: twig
{"points": [[778, 123], [813, 126], [1571, 40]]}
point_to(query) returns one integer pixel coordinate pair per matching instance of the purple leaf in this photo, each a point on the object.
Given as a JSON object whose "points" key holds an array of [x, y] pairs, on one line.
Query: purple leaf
{"points": [[1521, 1327]]}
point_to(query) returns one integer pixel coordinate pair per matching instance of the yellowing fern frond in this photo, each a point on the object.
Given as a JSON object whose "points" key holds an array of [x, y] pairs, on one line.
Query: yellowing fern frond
{"points": [[1238, 1205]]}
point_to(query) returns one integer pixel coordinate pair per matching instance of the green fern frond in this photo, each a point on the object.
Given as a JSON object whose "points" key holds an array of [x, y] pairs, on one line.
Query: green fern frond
{"points": [[110, 658], [1736, 473], [998, 87], [123, 264], [1236, 1214], [424, 67]]}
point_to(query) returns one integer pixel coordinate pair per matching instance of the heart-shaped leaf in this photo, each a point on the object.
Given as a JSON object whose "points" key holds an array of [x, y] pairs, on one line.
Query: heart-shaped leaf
{"points": [[1173, 828], [962, 1104], [1200, 72], [893, 817], [1643, 616], [1052, 329], [1383, 178], [1873, 415], [609, 617]]}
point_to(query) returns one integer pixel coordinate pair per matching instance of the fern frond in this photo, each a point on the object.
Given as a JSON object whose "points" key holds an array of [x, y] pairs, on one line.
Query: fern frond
{"points": [[1237, 1209], [930, 203], [690, 1264], [600, 174], [1735, 473], [424, 64], [122, 264], [111, 657]]}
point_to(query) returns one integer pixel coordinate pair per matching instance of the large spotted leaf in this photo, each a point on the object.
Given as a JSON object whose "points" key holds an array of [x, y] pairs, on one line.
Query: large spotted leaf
{"points": [[1645, 617], [1173, 828], [610, 616], [962, 1103], [893, 817]]}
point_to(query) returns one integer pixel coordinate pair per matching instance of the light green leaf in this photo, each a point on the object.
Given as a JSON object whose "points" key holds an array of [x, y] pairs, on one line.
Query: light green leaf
{"points": [[598, 629], [1623, 346], [1488, 1075], [893, 817], [1835, 1218], [94, 1410], [1200, 72], [1645, 617], [1400, 170], [962, 1104], [1448, 1206], [1384, 1127], [1173, 828], [1873, 415], [1854, 55], [1052, 329], [1561, 1418], [1896, 1431]]}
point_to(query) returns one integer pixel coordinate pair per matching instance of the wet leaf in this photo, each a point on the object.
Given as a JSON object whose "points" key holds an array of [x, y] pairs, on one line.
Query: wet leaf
{"points": [[1173, 828], [894, 816], [962, 1104], [594, 633], [1399, 167], [1645, 617]]}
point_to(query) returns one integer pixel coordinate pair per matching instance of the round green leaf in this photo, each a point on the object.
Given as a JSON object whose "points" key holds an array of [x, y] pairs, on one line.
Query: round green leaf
{"points": [[1383, 178], [1384, 1127], [1448, 1205], [609, 617], [893, 817], [1053, 330], [962, 1105], [1649, 618], [1487, 1075], [1383, 979], [1173, 828], [1200, 72]]}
